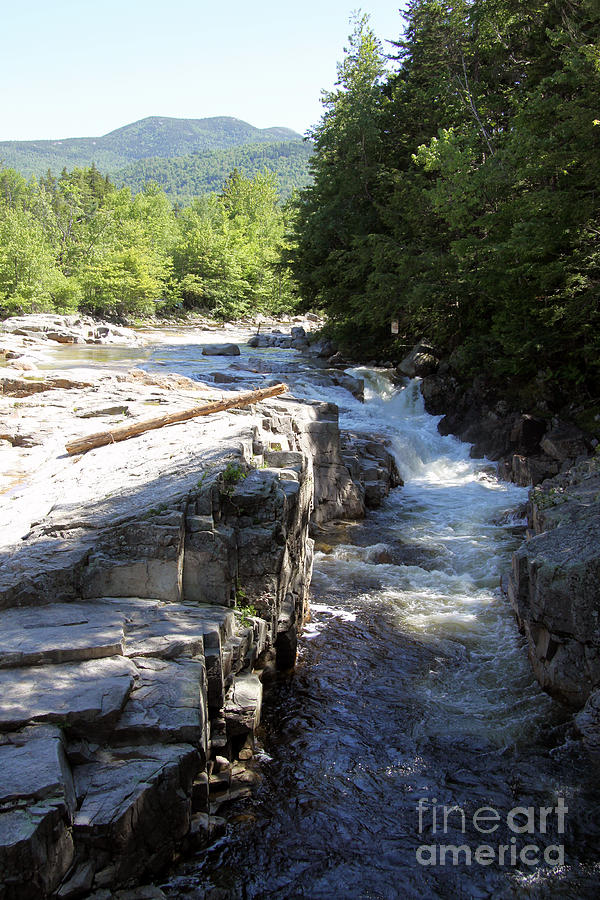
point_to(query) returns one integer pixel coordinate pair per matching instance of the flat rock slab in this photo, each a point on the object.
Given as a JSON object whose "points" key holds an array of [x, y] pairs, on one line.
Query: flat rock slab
{"points": [[166, 705], [34, 766], [135, 806], [169, 630], [59, 632], [87, 697]]}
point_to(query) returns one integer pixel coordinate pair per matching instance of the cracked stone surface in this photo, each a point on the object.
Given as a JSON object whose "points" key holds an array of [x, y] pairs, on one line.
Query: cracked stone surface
{"points": [[33, 764], [86, 696], [135, 805], [166, 704], [59, 632], [243, 704], [107, 633], [169, 630], [37, 802]]}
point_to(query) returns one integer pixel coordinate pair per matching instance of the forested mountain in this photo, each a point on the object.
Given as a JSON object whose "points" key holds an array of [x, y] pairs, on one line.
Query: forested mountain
{"points": [[458, 193], [156, 136], [184, 177]]}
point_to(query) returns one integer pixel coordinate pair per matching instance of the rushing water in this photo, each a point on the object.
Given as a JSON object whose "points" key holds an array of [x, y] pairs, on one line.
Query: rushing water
{"points": [[412, 694]]}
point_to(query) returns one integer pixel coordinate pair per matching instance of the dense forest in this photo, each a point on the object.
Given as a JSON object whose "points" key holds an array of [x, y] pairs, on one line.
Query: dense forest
{"points": [[183, 178], [457, 191], [77, 242]]}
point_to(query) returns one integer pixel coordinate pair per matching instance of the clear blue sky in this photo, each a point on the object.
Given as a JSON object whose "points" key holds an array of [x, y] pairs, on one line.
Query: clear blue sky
{"points": [[72, 68]]}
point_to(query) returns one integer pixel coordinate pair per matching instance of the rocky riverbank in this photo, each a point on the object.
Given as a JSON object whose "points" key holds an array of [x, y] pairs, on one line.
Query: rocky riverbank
{"points": [[146, 590], [527, 447], [554, 586]]}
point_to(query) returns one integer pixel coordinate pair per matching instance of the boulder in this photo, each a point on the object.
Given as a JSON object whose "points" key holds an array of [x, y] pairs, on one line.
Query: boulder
{"points": [[298, 333], [526, 434], [565, 442], [439, 392], [421, 361], [531, 470], [220, 350], [226, 378], [258, 340], [356, 386], [242, 706], [62, 337], [322, 349], [372, 467]]}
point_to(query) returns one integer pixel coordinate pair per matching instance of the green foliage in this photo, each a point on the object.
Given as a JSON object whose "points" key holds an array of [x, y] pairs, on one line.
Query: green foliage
{"points": [[75, 241], [227, 258], [244, 611], [458, 192], [231, 475], [336, 213], [184, 178]]}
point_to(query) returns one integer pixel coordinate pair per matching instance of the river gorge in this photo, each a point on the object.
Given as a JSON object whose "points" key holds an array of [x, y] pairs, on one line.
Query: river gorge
{"points": [[411, 752]]}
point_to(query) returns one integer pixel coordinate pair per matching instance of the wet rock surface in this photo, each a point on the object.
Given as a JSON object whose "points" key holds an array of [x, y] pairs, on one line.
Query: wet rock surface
{"points": [[220, 350], [228, 527], [372, 467], [554, 585]]}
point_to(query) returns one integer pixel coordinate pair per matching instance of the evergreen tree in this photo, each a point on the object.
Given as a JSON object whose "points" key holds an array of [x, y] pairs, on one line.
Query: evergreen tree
{"points": [[338, 212]]}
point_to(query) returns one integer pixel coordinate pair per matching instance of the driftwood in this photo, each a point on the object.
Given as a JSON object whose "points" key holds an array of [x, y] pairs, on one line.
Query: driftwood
{"points": [[124, 432]]}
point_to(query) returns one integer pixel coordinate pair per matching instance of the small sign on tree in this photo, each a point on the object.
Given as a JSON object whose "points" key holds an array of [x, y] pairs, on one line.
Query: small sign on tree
{"points": [[395, 326]]}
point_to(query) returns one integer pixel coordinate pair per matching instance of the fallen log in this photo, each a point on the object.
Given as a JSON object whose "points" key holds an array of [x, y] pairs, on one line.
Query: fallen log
{"points": [[124, 432]]}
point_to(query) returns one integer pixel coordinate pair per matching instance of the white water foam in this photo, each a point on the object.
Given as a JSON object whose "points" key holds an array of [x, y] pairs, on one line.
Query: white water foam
{"points": [[460, 518]]}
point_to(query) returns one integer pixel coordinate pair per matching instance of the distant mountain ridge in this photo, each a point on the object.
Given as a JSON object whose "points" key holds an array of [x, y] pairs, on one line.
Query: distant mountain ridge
{"points": [[152, 137]]}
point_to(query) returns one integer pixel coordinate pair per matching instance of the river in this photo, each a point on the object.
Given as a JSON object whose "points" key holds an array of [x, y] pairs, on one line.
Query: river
{"points": [[412, 722]]}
